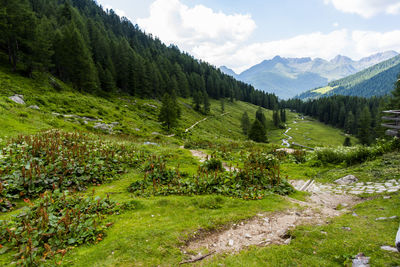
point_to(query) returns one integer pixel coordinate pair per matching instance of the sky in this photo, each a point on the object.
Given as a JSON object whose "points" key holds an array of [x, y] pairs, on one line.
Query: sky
{"points": [[241, 33]]}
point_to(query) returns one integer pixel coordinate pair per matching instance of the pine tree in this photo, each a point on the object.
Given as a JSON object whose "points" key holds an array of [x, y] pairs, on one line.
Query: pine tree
{"points": [[257, 132], [283, 115], [349, 123], [261, 118], [197, 97], [169, 112], [222, 102], [277, 118], [74, 61], [364, 126], [206, 103], [16, 29], [245, 123], [347, 141]]}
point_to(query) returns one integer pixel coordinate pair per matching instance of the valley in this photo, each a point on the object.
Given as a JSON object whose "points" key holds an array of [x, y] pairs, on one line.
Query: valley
{"points": [[119, 149]]}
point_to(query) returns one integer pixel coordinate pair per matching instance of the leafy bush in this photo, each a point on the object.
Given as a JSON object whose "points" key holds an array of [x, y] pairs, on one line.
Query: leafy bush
{"points": [[356, 154], [260, 176], [213, 164], [300, 156], [58, 220], [30, 165]]}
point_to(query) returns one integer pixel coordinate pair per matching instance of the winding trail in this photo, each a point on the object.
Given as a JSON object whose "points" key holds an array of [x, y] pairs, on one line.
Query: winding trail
{"points": [[274, 228], [194, 125], [285, 141]]}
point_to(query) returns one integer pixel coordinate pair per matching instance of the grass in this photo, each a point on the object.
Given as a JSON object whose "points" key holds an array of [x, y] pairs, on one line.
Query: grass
{"points": [[330, 244], [312, 133], [152, 233], [324, 90]]}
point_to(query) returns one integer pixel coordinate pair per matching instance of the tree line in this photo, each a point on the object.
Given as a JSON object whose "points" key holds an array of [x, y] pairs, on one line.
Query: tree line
{"points": [[355, 115], [98, 52]]}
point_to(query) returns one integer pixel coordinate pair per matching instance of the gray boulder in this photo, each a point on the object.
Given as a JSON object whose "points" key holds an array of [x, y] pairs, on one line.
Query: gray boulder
{"points": [[349, 179], [361, 261], [104, 127], [34, 107], [19, 99]]}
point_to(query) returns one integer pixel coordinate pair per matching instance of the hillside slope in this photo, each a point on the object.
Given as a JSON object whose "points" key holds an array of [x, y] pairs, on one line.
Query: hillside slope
{"points": [[377, 80]]}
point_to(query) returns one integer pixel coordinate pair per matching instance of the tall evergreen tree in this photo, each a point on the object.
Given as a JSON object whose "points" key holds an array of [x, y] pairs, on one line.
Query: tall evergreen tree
{"points": [[257, 132], [276, 118], [261, 117], [74, 61], [364, 127], [206, 103], [222, 102], [169, 112], [245, 123], [283, 115], [197, 99]]}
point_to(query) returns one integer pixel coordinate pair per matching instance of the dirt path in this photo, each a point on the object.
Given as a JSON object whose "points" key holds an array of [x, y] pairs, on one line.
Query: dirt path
{"points": [[285, 142], [266, 229], [203, 157], [194, 125]]}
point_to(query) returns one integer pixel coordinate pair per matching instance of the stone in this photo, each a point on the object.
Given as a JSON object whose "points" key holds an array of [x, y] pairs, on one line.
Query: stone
{"points": [[247, 236], [150, 143], [388, 248], [137, 129], [287, 241], [155, 133], [386, 218], [392, 190], [349, 179], [387, 197], [104, 127], [34, 107], [230, 242], [115, 123], [356, 192], [19, 99], [346, 228], [361, 261]]}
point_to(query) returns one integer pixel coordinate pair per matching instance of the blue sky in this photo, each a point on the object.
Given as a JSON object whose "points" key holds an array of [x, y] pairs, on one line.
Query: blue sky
{"points": [[241, 33]]}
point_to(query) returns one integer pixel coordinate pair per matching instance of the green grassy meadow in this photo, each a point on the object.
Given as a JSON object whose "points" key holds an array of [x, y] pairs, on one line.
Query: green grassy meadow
{"points": [[154, 230]]}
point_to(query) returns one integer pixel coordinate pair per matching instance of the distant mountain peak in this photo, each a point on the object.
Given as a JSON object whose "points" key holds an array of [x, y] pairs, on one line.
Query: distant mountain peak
{"points": [[340, 59], [228, 71]]}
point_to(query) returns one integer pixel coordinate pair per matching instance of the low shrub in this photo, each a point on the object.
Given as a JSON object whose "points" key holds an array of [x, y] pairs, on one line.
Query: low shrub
{"points": [[58, 220], [30, 165], [261, 176], [356, 154]]}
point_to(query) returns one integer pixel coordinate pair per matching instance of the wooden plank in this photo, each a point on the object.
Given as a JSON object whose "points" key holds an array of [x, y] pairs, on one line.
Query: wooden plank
{"points": [[391, 126], [392, 133], [391, 118]]}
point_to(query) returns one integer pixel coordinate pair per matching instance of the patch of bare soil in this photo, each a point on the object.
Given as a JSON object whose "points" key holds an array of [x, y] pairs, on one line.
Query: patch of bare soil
{"points": [[273, 228]]}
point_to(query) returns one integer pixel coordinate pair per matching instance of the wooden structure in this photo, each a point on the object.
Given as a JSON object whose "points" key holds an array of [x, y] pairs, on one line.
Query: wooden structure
{"points": [[392, 121]]}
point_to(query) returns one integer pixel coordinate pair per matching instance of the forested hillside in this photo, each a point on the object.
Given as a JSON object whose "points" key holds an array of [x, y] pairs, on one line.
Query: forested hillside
{"points": [[377, 80], [98, 52], [356, 115]]}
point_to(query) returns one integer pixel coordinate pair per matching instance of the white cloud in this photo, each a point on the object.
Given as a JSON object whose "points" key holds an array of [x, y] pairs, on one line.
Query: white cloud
{"points": [[119, 12], [355, 44], [366, 8], [222, 39], [335, 24], [196, 29]]}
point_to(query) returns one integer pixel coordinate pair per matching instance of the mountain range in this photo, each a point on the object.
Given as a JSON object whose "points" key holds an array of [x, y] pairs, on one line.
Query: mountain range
{"points": [[288, 77], [377, 80]]}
